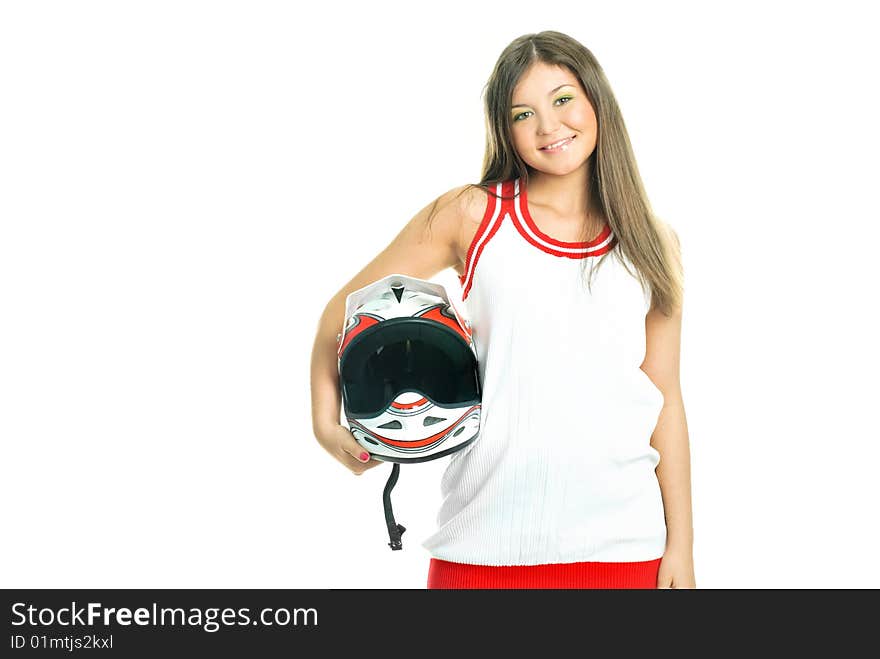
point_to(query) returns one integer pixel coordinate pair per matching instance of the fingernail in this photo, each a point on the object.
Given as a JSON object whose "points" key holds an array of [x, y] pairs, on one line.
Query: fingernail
{"points": [[365, 456]]}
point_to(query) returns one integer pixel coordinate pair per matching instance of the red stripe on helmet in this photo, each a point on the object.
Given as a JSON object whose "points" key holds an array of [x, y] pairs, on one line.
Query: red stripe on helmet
{"points": [[409, 406], [363, 322], [427, 441]]}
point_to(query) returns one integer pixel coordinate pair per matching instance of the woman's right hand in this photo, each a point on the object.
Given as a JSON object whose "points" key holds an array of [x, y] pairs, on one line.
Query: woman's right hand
{"points": [[338, 441]]}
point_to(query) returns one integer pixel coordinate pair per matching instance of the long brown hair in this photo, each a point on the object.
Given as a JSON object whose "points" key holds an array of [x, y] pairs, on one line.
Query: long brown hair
{"points": [[650, 244]]}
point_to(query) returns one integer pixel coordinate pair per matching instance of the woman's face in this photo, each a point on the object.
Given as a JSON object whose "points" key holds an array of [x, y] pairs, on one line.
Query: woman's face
{"points": [[549, 105]]}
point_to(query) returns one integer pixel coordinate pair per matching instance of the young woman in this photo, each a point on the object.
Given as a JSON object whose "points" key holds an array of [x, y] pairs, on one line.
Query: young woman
{"points": [[574, 289]]}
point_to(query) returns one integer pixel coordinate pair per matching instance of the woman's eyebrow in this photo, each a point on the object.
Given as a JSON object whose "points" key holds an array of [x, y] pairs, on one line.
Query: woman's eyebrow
{"points": [[551, 92]]}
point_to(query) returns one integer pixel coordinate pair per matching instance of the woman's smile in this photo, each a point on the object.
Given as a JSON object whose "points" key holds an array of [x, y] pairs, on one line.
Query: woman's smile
{"points": [[557, 147]]}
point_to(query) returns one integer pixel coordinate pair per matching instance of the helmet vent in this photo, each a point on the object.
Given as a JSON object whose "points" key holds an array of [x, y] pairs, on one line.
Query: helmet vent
{"points": [[431, 420], [392, 425], [398, 290]]}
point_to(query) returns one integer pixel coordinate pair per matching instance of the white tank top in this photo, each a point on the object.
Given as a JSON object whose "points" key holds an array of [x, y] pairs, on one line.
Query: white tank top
{"points": [[563, 469]]}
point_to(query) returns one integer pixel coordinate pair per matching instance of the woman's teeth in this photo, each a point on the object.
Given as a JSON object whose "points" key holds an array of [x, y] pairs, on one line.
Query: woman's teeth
{"points": [[561, 145]]}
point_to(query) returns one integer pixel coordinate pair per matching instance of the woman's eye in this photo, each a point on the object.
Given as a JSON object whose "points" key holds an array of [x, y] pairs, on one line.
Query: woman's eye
{"points": [[562, 98]]}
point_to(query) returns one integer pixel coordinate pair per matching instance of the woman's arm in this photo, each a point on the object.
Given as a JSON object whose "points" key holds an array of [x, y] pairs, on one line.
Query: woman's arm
{"points": [[670, 436], [670, 439]]}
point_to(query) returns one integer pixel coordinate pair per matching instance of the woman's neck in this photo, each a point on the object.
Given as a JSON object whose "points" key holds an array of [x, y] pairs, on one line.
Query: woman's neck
{"points": [[567, 197]]}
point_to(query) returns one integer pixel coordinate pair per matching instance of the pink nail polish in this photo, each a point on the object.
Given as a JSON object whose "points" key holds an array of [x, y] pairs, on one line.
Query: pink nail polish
{"points": [[365, 456]]}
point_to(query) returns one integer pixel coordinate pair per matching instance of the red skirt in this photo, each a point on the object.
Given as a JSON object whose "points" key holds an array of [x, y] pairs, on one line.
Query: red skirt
{"points": [[640, 574]]}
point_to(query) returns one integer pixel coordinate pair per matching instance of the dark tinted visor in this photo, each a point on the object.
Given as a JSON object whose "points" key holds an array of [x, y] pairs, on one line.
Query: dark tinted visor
{"points": [[407, 354]]}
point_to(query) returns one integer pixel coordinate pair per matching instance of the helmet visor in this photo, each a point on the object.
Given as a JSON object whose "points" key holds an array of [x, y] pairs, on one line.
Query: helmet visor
{"points": [[407, 354]]}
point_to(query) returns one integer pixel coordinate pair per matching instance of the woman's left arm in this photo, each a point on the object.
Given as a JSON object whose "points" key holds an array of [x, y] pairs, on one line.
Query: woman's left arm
{"points": [[670, 439]]}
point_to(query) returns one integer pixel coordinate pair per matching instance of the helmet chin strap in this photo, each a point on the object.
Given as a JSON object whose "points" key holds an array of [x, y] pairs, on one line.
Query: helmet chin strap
{"points": [[395, 530]]}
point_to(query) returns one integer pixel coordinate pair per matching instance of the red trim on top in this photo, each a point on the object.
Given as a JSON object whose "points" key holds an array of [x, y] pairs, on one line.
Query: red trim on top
{"points": [[492, 203], [546, 242]]}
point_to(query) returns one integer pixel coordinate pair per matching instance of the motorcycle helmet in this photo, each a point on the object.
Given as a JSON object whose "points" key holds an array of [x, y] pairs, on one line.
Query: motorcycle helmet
{"points": [[408, 375]]}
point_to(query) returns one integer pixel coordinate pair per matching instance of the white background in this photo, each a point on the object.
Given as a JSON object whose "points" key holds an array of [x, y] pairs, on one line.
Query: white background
{"points": [[184, 185]]}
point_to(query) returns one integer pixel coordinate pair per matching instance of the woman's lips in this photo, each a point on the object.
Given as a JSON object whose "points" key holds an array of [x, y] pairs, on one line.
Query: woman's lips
{"points": [[561, 147]]}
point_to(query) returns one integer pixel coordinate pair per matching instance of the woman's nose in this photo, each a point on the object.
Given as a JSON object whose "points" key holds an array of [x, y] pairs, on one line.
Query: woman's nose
{"points": [[547, 127]]}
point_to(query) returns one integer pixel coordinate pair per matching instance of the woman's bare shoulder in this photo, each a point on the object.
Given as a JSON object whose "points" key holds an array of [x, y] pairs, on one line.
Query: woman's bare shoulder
{"points": [[472, 202], [470, 207]]}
